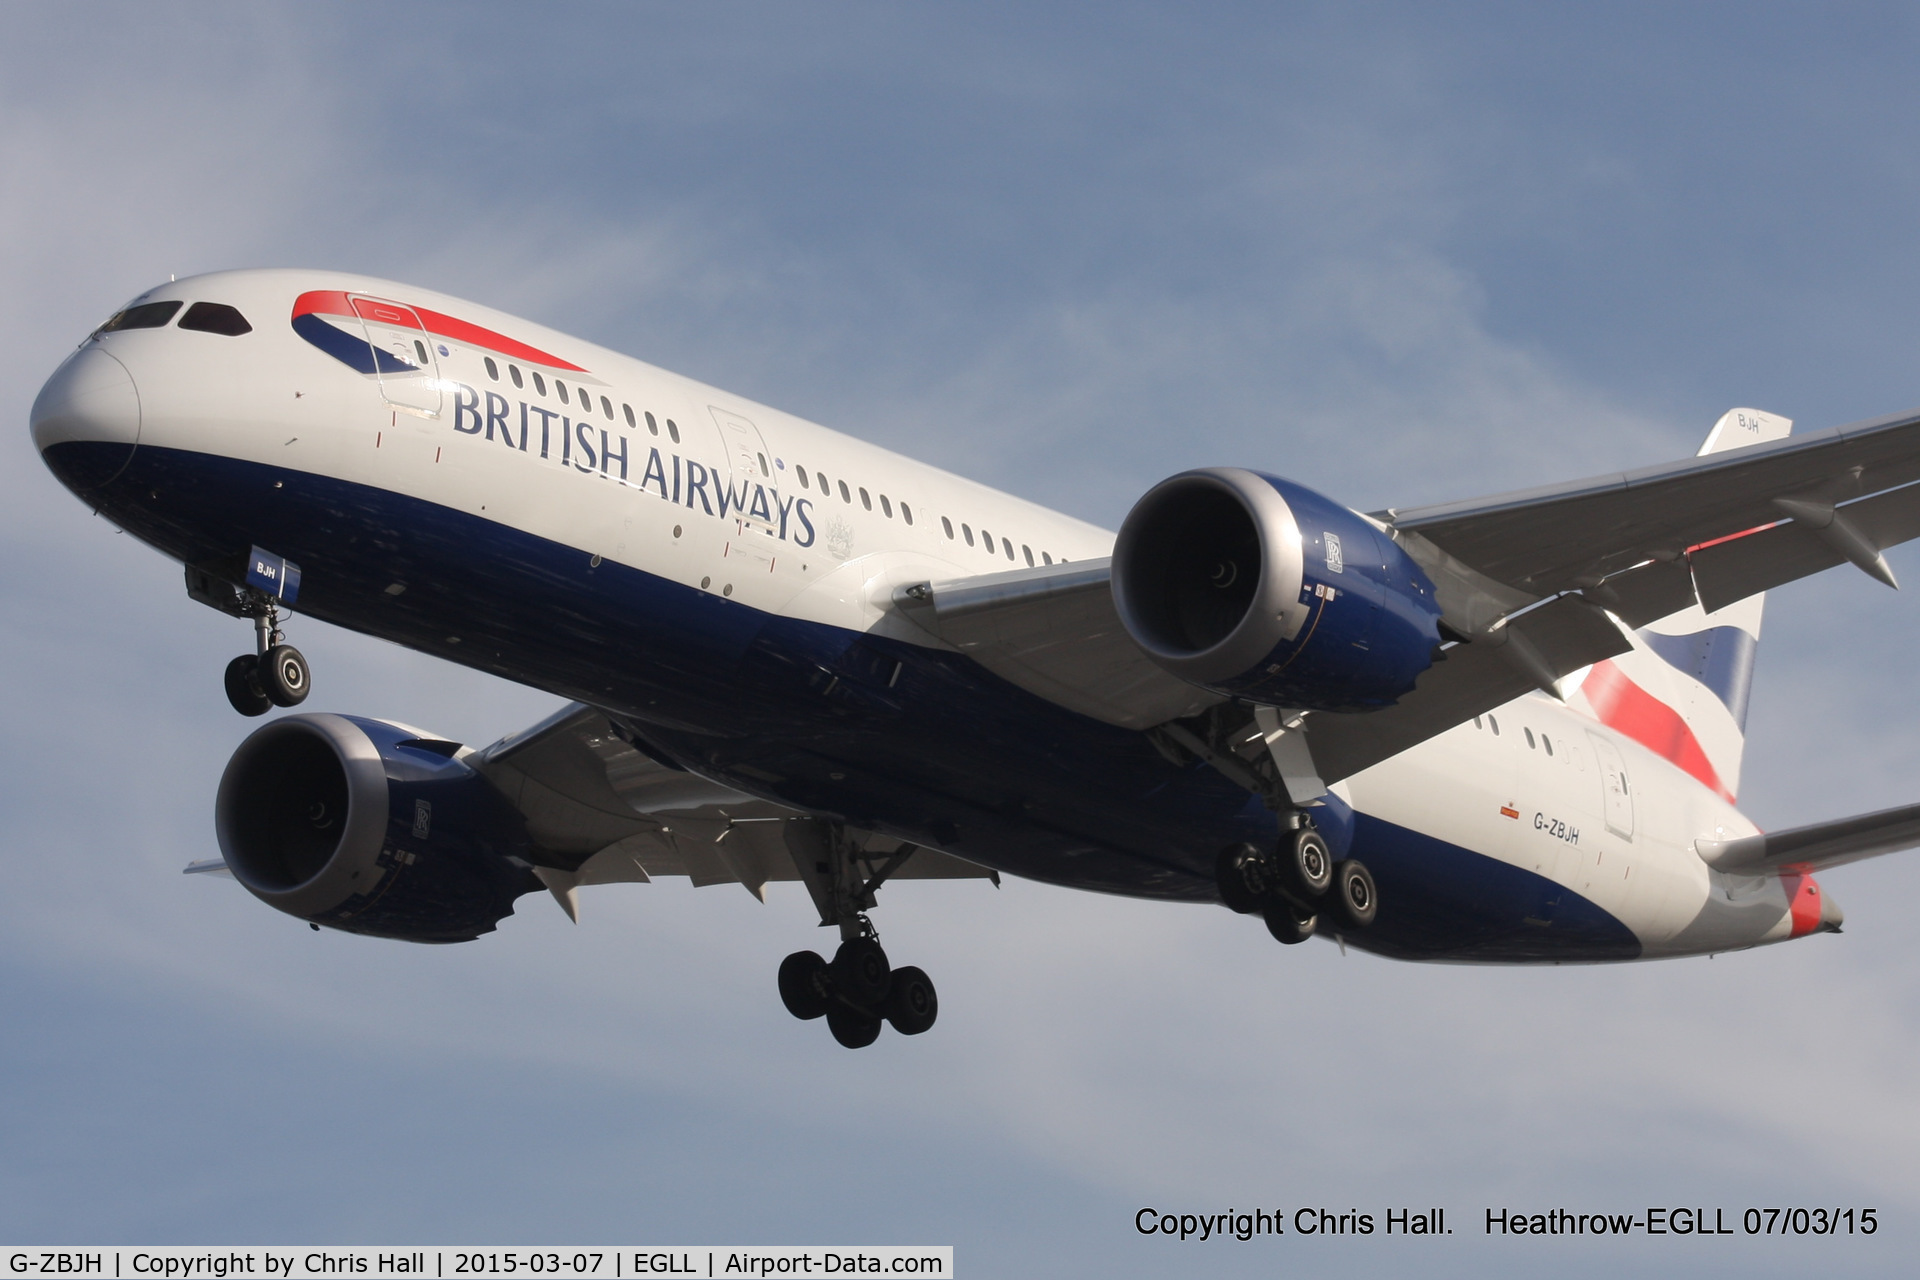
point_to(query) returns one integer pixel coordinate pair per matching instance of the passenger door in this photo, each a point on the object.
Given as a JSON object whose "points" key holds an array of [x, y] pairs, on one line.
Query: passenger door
{"points": [[403, 354], [1616, 795], [748, 461]]}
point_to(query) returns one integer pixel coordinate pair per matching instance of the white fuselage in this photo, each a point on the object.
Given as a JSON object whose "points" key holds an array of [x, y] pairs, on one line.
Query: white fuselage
{"points": [[820, 528]]}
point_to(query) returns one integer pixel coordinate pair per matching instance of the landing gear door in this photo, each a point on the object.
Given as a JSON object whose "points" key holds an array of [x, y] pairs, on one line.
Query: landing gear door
{"points": [[403, 355], [1616, 796]]}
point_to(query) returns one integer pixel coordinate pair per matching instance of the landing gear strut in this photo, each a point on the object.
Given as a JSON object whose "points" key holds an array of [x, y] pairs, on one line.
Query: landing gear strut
{"points": [[858, 990], [275, 674], [1292, 885]]}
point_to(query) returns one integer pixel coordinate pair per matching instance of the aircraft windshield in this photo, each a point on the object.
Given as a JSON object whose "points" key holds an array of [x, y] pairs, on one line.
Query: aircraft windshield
{"points": [[148, 315]]}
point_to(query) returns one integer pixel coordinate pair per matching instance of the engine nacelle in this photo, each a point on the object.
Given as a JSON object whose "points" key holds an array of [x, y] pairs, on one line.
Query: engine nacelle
{"points": [[1257, 587], [369, 827]]}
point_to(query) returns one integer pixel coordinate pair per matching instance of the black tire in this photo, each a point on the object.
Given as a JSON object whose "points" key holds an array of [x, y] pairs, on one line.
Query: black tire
{"points": [[861, 975], [803, 985], [1286, 925], [912, 1004], [854, 1030], [1244, 876], [243, 686], [1355, 897], [1307, 863], [284, 677]]}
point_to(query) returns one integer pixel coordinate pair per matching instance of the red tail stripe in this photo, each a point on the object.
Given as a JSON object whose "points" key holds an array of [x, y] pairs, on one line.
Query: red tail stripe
{"points": [[1625, 706], [334, 302], [1803, 899]]}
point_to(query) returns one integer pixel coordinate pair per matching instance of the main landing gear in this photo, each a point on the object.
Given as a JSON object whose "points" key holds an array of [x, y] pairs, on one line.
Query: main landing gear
{"points": [[274, 675], [1293, 885], [858, 990]]}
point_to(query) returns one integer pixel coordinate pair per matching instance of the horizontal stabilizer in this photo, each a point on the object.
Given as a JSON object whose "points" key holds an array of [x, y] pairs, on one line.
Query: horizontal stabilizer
{"points": [[1816, 847]]}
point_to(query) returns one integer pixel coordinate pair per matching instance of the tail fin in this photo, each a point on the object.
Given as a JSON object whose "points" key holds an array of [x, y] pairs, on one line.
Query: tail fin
{"points": [[1682, 691]]}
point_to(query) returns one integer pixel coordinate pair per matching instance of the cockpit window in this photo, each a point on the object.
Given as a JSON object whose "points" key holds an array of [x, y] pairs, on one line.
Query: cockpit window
{"points": [[148, 315], [215, 317]]}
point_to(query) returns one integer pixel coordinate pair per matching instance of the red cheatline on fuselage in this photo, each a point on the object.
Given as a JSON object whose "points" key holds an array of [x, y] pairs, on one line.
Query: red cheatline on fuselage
{"points": [[337, 302]]}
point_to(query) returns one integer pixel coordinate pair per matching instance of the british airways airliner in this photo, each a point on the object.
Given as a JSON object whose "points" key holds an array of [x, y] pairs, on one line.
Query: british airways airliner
{"points": [[1503, 730]]}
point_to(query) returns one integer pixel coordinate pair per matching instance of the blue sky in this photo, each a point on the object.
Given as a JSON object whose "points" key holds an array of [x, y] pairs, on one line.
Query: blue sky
{"points": [[1400, 253]]}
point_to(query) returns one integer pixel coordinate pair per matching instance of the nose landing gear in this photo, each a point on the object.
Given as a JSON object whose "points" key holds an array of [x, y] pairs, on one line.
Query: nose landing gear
{"points": [[1293, 885], [275, 674], [858, 991]]}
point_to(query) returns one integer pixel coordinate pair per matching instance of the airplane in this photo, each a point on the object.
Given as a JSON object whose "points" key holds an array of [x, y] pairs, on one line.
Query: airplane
{"points": [[1501, 730]]}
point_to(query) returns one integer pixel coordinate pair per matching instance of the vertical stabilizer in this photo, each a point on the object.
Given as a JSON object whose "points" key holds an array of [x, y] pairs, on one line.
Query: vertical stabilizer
{"points": [[1682, 692]]}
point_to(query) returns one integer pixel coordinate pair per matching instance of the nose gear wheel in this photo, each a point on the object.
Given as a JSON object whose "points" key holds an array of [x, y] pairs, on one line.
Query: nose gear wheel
{"points": [[275, 674]]}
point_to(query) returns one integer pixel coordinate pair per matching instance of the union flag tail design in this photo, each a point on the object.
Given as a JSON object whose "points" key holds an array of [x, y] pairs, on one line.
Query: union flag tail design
{"points": [[1682, 691]]}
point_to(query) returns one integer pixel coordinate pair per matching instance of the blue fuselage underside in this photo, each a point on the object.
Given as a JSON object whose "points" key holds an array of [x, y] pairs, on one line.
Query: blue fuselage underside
{"points": [[919, 743]]}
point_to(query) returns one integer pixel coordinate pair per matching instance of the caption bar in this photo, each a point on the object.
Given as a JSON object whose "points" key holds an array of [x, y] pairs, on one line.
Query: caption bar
{"points": [[686, 1262]]}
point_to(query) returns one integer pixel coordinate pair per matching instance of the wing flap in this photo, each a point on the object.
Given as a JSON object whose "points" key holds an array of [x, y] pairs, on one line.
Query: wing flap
{"points": [[610, 813], [1738, 567]]}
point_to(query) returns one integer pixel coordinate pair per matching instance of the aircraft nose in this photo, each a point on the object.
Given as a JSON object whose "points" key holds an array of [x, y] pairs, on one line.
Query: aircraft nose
{"points": [[86, 420]]}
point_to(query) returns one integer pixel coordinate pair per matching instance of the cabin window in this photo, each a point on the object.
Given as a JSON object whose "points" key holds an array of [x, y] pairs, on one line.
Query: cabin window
{"points": [[513, 371], [420, 349], [561, 387], [1529, 734], [606, 406], [539, 383], [1494, 724], [886, 508], [1547, 742], [1477, 724], [493, 370], [673, 432], [1007, 545], [802, 473], [1044, 556], [906, 513], [969, 532], [148, 315], [653, 428], [947, 524], [845, 496], [763, 464], [218, 317], [986, 540], [628, 410], [865, 501]]}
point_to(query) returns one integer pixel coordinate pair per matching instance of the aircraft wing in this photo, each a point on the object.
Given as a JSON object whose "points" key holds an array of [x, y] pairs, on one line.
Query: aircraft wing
{"points": [[1744, 519], [1537, 584], [609, 811], [1816, 847], [1053, 631], [606, 812]]}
